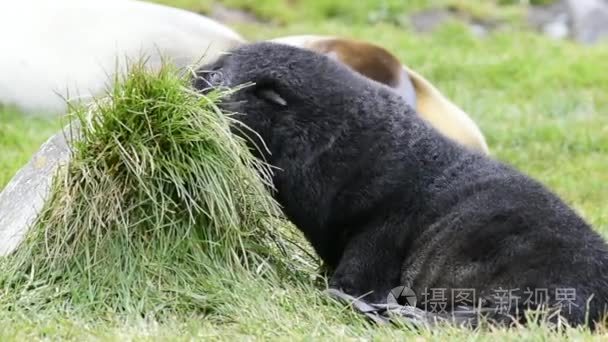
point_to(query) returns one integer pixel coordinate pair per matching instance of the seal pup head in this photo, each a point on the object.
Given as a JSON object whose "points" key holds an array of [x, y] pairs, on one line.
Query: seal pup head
{"points": [[282, 90]]}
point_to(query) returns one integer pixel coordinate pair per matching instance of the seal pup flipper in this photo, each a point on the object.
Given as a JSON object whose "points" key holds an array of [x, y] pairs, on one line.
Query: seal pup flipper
{"points": [[372, 312], [399, 314]]}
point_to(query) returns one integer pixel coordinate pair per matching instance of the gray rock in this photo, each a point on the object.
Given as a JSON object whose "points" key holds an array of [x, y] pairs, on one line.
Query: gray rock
{"points": [[232, 15], [479, 29], [589, 20], [553, 20], [429, 20], [558, 28], [24, 196], [585, 21]]}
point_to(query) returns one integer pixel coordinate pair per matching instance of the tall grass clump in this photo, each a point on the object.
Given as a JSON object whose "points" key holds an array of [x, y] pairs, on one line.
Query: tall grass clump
{"points": [[160, 211]]}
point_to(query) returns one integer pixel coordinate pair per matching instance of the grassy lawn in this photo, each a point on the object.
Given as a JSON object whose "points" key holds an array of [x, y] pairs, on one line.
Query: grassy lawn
{"points": [[542, 104]]}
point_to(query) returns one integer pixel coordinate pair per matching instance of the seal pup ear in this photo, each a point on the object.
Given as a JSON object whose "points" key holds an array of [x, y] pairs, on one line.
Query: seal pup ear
{"points": [[270, 95]]}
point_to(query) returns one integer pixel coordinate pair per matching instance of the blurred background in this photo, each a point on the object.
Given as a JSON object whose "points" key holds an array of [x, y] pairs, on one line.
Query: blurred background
{"points": [[585, 21]]}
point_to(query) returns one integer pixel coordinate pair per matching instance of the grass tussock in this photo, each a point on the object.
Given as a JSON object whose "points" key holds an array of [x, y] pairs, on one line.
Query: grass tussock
{"points": [[160, 211]]}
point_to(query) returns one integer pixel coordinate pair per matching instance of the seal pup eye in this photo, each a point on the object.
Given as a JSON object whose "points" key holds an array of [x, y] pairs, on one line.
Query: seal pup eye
{"points": [[270, 95]]}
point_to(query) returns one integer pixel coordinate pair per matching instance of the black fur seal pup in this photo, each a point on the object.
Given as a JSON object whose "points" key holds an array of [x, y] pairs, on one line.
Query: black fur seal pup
{"points": [[387, 201]]}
